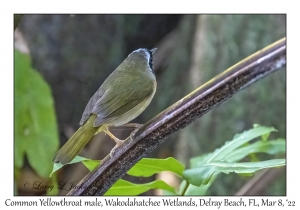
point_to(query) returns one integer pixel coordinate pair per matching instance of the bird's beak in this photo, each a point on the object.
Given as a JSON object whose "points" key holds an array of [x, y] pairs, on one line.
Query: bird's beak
{"points": [[153, 50]]}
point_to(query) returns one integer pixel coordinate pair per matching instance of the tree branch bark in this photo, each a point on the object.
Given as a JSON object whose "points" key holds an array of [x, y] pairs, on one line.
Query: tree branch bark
{"points": [[181, 114]]}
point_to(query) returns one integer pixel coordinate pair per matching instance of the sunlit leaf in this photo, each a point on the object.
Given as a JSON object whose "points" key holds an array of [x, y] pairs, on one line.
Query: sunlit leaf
{"points": [[270, 147], [233, 151], [265, 136], [230, 146], [91, 164], [77, 159], [202, 174], [148, 166], [122, 187]]}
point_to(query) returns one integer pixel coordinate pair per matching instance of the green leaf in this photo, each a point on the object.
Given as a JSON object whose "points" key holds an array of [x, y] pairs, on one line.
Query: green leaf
{"points": [[203, 174], [122, 187], [77, 159], [270, 147], [35, 130], [195, 161], [253, 157], [230, 146], [91, 164], [232, 151], [54, 190], [265, 136], [198, 190], [148, 166]]}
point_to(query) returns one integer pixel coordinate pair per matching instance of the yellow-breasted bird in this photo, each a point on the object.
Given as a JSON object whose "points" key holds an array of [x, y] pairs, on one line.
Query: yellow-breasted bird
{"points": [[123, 96]]}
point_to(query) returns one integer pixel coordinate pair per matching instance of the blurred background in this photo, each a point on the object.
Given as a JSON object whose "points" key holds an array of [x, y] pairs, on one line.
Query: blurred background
{"points": [[73, 54]]}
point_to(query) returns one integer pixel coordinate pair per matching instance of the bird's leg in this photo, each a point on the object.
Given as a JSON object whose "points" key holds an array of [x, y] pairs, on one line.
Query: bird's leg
{"points": [[130, 125], [133, 125], [118, 141], [135, 130], [99, 130]]}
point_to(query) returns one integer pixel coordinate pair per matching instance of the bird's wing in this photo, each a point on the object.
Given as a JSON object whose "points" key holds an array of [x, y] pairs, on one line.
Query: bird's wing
{"points": [[113, 104], [89, 107]]}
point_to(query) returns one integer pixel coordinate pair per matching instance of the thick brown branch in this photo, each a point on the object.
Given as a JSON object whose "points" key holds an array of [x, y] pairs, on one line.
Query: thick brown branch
{"points": [[180, 115]]}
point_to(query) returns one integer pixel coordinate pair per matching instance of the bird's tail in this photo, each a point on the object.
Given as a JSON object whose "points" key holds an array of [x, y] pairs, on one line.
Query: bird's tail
{"points": [[75, 144]]}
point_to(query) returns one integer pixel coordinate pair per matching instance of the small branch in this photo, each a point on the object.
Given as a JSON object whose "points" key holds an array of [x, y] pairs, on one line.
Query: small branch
{"points": [[259, 182], [187, 184], [181, 114]]}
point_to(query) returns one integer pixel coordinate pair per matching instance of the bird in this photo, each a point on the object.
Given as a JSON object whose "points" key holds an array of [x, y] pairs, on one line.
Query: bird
{"points": [[123, 96]]}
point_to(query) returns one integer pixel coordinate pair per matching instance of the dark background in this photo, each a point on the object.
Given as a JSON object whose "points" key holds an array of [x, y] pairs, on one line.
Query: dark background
{"points": [[75, 53]]}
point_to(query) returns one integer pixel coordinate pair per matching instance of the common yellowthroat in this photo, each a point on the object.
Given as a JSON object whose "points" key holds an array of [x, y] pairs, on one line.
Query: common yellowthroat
{"points": [[123, 96]]}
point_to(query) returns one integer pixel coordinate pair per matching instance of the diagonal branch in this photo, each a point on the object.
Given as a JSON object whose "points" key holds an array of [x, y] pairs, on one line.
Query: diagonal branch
{"points": [[181, 114], [259, 182]]}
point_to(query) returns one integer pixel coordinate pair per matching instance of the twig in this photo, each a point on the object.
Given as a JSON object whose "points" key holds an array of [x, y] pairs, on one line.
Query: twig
{"points": [[259, 182], [187, 184], [181, 114]]}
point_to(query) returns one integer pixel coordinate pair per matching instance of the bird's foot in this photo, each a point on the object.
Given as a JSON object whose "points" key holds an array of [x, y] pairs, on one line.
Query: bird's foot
{"points": [[134, 131], [118, 143]]}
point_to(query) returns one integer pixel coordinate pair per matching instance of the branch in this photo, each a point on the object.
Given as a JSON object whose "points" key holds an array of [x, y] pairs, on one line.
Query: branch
{"points": [[259, 182], [181, 114]]}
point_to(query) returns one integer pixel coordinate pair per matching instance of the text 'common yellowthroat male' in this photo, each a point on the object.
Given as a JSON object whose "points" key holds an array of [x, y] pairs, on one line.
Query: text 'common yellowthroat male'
{"points": [[123, 96]]}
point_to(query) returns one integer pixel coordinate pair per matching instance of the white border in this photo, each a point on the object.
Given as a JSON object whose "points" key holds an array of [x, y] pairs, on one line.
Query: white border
{"points": [[126, 6]]}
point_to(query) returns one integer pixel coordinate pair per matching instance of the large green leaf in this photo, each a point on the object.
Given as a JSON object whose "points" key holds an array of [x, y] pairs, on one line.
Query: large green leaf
{"points": [[148, 166], [122, 187], [237, 141], [35, 131], [270, 147], [202, 174], [91, 164]]}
